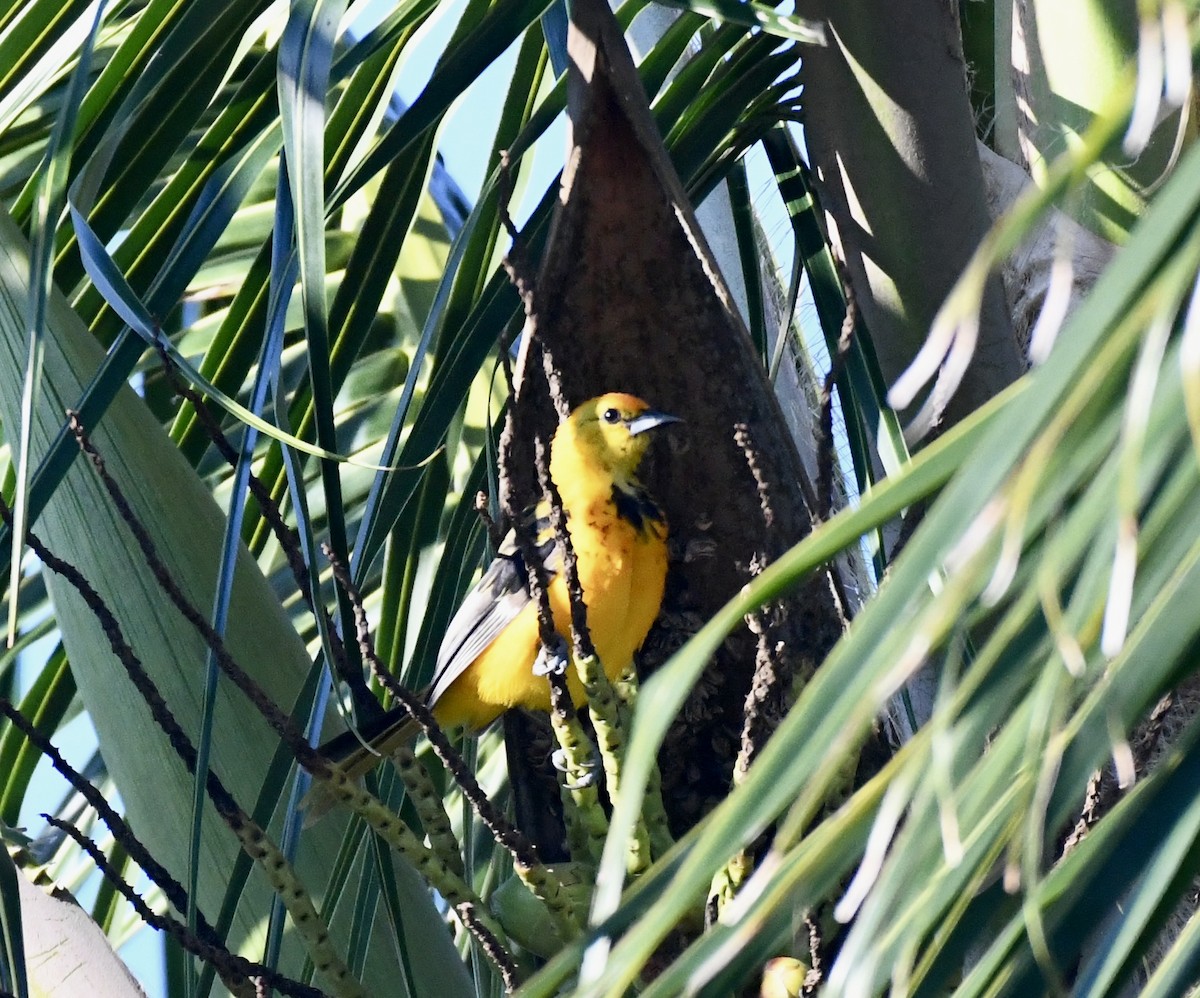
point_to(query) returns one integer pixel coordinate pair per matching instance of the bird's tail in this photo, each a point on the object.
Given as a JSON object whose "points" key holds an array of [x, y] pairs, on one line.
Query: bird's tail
{"points": [[359, 753]]}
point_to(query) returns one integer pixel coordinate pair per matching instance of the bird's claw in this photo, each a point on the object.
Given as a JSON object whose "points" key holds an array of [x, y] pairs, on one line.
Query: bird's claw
{"points": [[551, 661], [558, 759]]}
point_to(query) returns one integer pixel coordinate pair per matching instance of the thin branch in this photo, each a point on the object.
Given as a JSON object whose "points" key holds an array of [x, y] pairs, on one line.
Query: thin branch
{"points": [[340, 786], [581, 637], [500, 957], [825, 448], [516, 261], [766, 684], [494, 530], [504, 832], [238, 973], [763, 623], [289, 539], [253, 839], [121, 831], [816, 962], [541, 882], [283, 725]]}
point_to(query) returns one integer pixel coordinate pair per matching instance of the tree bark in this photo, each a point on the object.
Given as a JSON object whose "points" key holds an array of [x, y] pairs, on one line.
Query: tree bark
{"points": [[891, 137], [628, 298]]}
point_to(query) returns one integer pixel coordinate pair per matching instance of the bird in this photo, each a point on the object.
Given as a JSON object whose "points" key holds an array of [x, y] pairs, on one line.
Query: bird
{"points": [[488, 656]]}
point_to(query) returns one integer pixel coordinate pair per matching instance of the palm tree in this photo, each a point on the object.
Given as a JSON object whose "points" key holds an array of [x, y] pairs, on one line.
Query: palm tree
{"points": [[980, 774]]}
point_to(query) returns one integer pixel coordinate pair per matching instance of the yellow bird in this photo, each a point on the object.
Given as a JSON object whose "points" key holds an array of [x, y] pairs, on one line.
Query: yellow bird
{"points": [[486, 662]]}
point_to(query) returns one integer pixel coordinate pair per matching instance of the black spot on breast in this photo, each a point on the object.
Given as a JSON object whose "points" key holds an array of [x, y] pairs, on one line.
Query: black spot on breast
{"points": [[636, 508]]}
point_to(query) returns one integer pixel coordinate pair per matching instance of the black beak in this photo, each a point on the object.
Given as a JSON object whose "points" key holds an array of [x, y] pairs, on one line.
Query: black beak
{"points": [[649, 420]]}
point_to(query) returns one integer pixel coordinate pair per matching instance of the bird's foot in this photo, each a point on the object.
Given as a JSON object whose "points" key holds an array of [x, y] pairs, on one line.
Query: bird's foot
{"points": [[551, 661], [559, 760]]}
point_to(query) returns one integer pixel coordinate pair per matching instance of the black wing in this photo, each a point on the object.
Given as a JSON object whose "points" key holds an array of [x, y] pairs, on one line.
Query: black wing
{"points": [[491, 604]]}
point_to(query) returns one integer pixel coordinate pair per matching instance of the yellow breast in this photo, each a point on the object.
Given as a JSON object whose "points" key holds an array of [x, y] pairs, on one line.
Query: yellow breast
{"points": [[622, 570]]}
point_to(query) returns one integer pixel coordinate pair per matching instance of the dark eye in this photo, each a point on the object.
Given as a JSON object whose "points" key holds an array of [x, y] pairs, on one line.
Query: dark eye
{"points": [[611, 416]]}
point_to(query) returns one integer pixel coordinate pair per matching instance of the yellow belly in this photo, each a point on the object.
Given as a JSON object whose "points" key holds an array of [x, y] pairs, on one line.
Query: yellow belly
{"points": [[623, 573]]}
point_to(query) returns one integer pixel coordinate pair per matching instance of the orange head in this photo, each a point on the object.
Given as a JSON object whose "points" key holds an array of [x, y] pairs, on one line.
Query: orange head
{"points": [[607, 434]]}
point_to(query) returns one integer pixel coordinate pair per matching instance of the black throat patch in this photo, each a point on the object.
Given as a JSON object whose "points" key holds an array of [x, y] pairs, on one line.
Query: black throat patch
{"points": [[636, 508]]}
